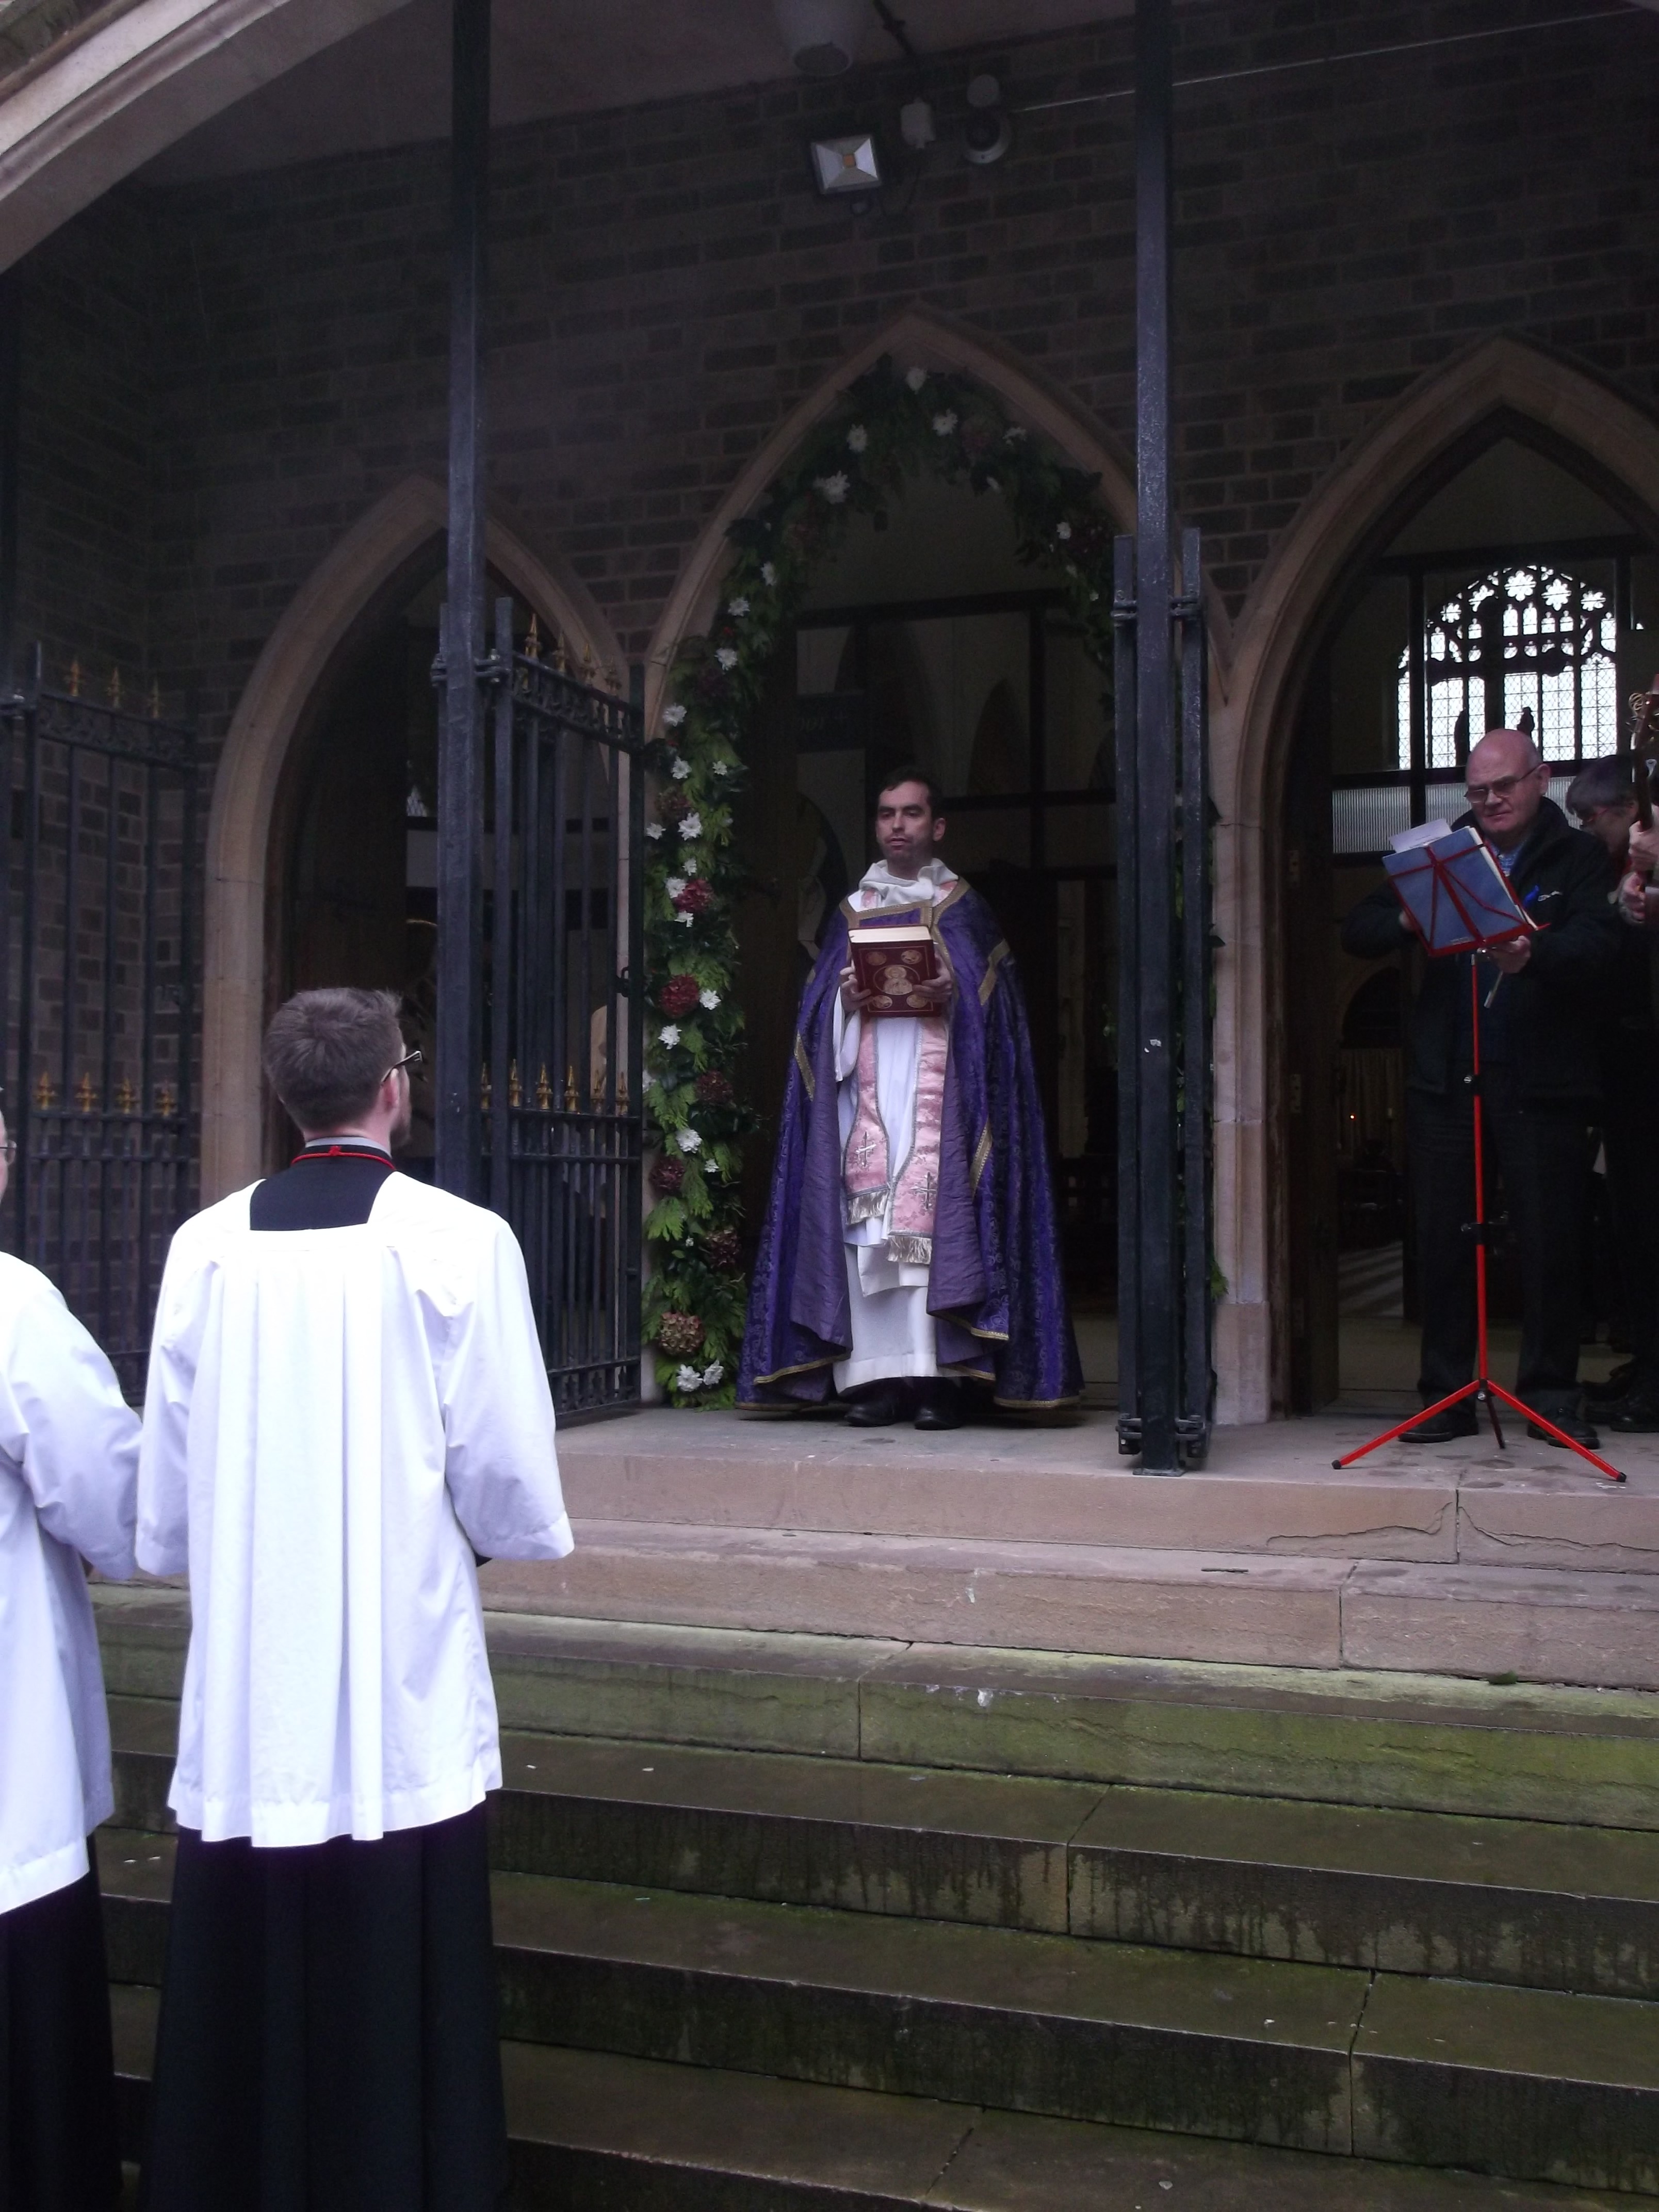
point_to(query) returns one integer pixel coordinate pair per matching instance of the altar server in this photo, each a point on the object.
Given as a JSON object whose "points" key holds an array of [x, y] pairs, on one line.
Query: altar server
{"points": [[347, 1399], [69, 1461], [911, 1243]]}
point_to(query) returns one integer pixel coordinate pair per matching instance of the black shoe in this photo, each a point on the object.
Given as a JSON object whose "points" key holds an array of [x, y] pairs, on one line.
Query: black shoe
{"points": [[1635, 1416], [1617, 1386], [938, 1406], [1444, 1428], [1571, 1424], [878, 1406]]}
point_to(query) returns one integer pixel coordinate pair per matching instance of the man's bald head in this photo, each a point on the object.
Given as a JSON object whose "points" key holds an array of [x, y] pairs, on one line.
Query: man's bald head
{"points": [[1506, 784]]}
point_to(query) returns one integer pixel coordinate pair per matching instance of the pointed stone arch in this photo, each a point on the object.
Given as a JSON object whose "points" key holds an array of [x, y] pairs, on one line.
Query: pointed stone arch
{"points": [[375, 562], [919, 337], [1502, 387]]}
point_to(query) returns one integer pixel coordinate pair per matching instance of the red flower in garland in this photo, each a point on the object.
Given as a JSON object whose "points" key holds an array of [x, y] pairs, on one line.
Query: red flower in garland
{"points": [[695, 897], [673, 806], [679, 995], [724, 1249], [714, 1087], [668, 1176], [680, 1334]]}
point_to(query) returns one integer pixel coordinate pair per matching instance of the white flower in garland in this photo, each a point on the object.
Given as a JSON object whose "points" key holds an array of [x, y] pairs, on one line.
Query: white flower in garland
{"points": [[692, 826], [709, 1000], [945, 423], [688, 1379], [688, 1140], [858, 438], [833, 488], [738, 607], [1062, 530], [673, 885], [680, 770], [722, 767], [1014, 433], [669, 1034], [713, 1375], [653, 830], [768, 575], [916, 377], [647, 1081], [726, 657], [674, 715], [685, 921]]}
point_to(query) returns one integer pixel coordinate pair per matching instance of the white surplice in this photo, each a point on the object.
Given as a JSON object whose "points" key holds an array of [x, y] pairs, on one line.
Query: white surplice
{"points": [[337, 1419], [68, 1464], [893, 1332]]}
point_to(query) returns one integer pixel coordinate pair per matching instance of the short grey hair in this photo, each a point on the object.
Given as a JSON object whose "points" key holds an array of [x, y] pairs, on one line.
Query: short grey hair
{"points": [[327, 1053], [1604, 782]]}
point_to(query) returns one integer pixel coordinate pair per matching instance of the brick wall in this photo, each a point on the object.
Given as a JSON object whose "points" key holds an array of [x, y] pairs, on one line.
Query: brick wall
{"points": [[666, 286]]}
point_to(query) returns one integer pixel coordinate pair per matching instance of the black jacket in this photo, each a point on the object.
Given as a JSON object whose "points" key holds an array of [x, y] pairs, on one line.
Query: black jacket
{"points": [[1563, 876]]}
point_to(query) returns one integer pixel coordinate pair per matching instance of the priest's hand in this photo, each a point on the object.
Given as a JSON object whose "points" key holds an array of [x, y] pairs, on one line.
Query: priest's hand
{"points": [[939, 990], [852, 997]]}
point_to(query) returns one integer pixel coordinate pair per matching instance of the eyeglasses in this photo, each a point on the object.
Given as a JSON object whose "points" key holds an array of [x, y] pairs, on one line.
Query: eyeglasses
{"points": [[1479, 794], [410, 1062], [8, 1150]]}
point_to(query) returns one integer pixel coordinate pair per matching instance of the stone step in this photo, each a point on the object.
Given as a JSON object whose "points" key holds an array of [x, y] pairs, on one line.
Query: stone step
{"points": [[1414, 1742], [1594, 1628], [1534, 2084], [1540, 1905], [629, 2134], [1267, 1490]]}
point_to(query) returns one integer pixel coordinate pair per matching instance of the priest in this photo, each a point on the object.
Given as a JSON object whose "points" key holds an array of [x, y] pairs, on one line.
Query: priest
{"points": [[911, 1243], [347, 1404], [69, 1462]]}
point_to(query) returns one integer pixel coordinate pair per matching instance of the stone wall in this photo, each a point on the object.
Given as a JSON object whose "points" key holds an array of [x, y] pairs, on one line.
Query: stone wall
{"points": [[223, 376]]}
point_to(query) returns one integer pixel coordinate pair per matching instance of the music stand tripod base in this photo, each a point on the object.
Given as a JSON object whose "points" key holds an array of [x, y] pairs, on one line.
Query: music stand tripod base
{"points": [[1483, 1388]]}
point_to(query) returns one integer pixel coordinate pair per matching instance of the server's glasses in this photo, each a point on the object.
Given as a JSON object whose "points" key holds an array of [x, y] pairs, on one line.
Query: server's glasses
{"points": [[410, 1061]]}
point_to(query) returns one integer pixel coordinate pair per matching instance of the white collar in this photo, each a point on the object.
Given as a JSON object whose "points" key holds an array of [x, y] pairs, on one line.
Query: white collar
{"points": [[880, 887]]}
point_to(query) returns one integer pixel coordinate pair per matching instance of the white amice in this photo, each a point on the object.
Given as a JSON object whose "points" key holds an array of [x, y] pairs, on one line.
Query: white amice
{"points": [[893, 1332]]}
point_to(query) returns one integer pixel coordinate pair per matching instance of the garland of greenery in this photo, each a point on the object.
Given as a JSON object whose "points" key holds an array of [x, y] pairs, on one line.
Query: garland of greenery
{"points": [[883, 427]]}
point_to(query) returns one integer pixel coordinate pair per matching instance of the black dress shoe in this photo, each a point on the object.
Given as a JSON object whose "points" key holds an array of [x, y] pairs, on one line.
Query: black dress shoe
{"points": [[1635, 1416], [1444, 1428], [938, 1406], [1571, 1424], [1617, 1386], [878, 1406]]}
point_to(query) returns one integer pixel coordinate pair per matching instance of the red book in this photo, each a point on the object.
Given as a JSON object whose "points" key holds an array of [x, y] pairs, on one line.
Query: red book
{"points": [[889, 960]]}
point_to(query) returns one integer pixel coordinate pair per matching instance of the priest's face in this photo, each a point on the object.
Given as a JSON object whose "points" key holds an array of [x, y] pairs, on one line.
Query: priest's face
{"points": [[906, 828]]}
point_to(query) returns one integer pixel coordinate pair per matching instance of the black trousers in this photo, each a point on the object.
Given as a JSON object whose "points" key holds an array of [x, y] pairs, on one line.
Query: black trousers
{"points": [[328, 2031], [58, 2145], [1628, 1131], [1543, 1153]]}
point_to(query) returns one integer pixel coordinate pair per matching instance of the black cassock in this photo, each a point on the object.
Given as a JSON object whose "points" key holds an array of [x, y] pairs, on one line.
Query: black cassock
{"points": [[57, 2125], [328, 2039]]}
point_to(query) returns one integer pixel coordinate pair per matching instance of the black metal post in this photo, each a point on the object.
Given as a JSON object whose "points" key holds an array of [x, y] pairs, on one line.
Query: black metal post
{"points": [[460, 739], [1195, 1025], [11, 441], [1159, 1331], [1127, 823]]}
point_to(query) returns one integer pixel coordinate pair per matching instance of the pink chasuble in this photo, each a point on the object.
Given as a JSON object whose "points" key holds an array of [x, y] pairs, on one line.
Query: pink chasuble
{"points": [[910, 1198]]}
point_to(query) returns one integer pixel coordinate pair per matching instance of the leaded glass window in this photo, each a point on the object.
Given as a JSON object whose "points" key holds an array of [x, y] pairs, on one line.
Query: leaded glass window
{"points": [[1531, 641]]}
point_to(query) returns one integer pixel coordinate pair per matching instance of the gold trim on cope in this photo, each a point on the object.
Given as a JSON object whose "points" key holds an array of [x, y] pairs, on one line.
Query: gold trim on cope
{"points": [[805, 1066]]}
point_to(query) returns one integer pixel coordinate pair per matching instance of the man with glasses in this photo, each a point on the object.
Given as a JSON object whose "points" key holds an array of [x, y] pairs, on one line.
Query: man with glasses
{"points": [[1541, 1084], [346, 1403]]}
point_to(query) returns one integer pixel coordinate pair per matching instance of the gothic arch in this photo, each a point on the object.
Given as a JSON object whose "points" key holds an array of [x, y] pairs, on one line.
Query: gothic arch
{"points": [[358, 576], [1502, 386], [919, 337]]}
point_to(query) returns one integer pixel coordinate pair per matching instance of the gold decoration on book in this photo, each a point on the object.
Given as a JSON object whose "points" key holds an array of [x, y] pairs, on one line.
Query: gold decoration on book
{"points": [[85, 1097], [126, 1098], [570, 1087], [544, 1091], [514, 1094], [44, 1097], [167, 1105]]}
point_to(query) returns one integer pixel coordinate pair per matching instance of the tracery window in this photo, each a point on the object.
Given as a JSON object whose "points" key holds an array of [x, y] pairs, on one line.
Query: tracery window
{"points": [[1529, 647]]}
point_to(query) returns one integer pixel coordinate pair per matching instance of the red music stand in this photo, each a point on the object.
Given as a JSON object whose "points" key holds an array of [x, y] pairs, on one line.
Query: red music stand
{"points": [[1466, 925]]}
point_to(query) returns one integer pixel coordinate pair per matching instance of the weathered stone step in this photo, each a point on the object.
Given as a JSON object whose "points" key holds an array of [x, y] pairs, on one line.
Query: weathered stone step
{"points": [[629, 2134], [1540, 1905], [1543, 1625], [1422, 1742]]}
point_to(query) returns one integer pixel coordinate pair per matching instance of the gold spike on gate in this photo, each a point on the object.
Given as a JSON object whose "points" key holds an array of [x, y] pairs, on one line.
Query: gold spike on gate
{"points": [[45, 1096], [483, 1086], [621, 1090], [126, 1101], [544, 1091], [115, 687], [75, 679], [514, 1095], [155, 700], [166, 1104], [570, 1088], [85, 1097], [533, 644]]}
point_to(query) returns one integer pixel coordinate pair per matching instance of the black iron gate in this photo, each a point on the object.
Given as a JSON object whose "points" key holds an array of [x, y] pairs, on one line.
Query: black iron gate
{"points": [[563, 1011], [97, 948]]}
